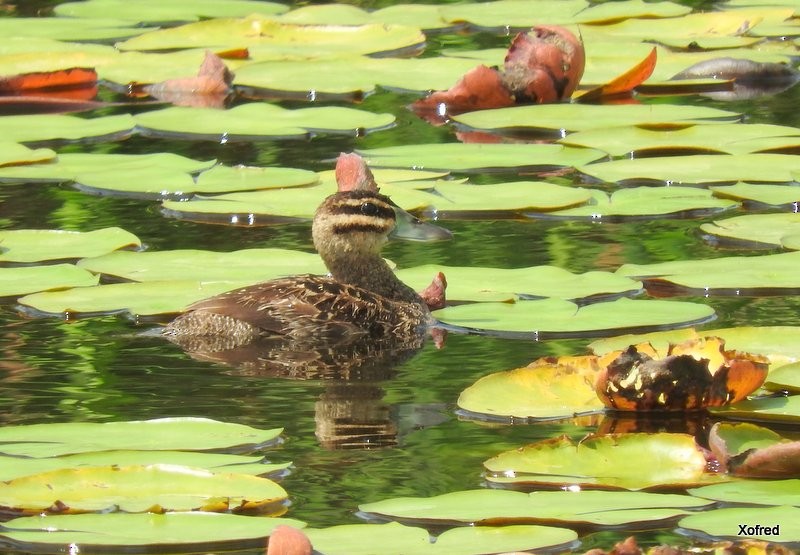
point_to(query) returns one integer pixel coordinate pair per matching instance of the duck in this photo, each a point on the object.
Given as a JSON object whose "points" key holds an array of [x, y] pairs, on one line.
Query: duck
{"points": [[361, 297]]}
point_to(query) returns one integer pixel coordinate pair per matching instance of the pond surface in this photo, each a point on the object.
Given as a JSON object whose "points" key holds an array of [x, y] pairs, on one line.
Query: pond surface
{"points": [[101, 369]]}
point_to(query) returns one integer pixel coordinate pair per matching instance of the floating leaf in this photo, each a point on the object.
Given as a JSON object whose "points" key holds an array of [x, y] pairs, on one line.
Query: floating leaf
{"points": [[710, 168], [36, 440], [554, 317], [519, 196], [24, 280], [545, 389], [756, 492], [478, 157], [158, 11], [754, 452], [223, 179], [785, 377], [760, 230], [68, 29], [396, 539], [514, 14], [602, 508], [779, 409], [607, 461], [35, 128], [255, 120], [774, 195], [137, 489], [36, 245], [624, 83], [775, 524]]}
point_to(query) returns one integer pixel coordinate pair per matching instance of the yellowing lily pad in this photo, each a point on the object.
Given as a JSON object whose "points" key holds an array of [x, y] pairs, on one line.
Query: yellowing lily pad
{"points": [[52, 127], [770, 524], [24, 280], [256, 120], [36, 245], [12, 154], [600, 508], [607, 461], [158, 11], [786, 377], [137, 489], [760, 230], [558, 318]]}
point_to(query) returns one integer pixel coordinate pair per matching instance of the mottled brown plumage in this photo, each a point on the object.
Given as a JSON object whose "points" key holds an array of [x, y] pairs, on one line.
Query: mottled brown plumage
{"points": [[361, 298]]}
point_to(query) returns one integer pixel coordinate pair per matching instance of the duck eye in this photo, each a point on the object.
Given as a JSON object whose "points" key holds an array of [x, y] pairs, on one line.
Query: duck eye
{"points": [[369, 209]]}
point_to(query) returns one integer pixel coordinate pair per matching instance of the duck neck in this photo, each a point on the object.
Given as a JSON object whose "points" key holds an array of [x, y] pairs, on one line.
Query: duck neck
{"points": [[370, 272]]}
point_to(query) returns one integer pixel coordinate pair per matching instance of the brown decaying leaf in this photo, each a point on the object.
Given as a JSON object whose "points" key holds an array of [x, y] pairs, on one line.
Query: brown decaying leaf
{"points": [[285, 540], [72, 78], [693, 376], [624, 83], [67, 90], [208, 89]]}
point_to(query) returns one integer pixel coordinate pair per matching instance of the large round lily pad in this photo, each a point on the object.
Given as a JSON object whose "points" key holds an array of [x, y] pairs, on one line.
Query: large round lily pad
{"points": [[761, 230], [757, 492], [24, 280], [36, 245], [52, 127], [777, 409], [159, 11]]}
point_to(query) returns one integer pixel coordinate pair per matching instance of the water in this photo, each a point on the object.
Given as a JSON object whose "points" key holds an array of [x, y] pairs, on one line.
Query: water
{"points": [[101, 369]]}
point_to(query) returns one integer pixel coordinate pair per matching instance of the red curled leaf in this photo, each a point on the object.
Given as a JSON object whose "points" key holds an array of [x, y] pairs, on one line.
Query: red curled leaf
{"points": [[73, 78]]}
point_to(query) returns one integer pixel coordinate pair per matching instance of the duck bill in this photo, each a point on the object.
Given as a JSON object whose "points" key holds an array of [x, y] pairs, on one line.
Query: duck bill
{"points": [[411, 228]]}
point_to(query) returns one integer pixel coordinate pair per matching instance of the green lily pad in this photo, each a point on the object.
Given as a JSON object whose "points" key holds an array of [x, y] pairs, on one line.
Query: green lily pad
{"points": [[466, 283], [607, 461], [244, 265], [256, 120], [518, 196], [280, 39], [700, 168], [728, 275], [141, 532], [559, 318], [607, 12], [36, 245], [37, 440], [752, 451], [786, 377], [138, 299], [63, 28], [648, 202], [580, 117], [740, 139], [397, 539], [479, 157], [25, 280], [778, 409], [137, 489], [546, 390], [515, 14], [725, 524], [223, 179], [12, 154], [11, 468], [757, 492], [761, 230], [158, 11], [601, 508], [425, 16], [51, 127], [774, 195]]}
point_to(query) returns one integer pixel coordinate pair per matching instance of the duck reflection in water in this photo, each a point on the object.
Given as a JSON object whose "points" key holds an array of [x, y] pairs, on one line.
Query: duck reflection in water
{"points": [[357, 323]]}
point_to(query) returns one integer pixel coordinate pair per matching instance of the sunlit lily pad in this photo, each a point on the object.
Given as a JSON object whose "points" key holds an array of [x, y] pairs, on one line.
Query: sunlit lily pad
{"points": [[786, 377], [10, 467], [757, 492], [699, 168], [425, 16], [51, 127], [24, 280], [140, 532], [641, 202], [753, 451], [601, 508], [777, 524], [518, 196], [545, 389], [65, 28], [559, 318], [579, 117], [396, 539], [36, 245], [774, 195], [38, 440], [515, 14], [466, 283], [137, 489], [139, 299], [281, 39], [773, 409], [12, 154], [158, 11], [740, 139], [478, 157], [607, 461], [728, 275], [761, 230], [223, 179], [255, 120]]}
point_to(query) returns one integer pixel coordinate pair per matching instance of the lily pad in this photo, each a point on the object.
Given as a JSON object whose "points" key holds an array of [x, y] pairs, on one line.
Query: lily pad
{"points": [[52, 127], [580, 117], [515, 14], [257, 120], [158, 11], [754, 452], [425, 16], [518, 196], [760, 230], [223, 179], [559, 318], [740, 523], [599, 508], [12, 154], [137, 489], [545, 389], [696, 169], [141, 532], [479, 157], [36, 245], [768, 274], [648, 202], [467, 283], [773, 409], [37, 440], [25, 280], [397, 539], [756, 492], [68, 29], [773, 195], [786, 377], [608, 461]]}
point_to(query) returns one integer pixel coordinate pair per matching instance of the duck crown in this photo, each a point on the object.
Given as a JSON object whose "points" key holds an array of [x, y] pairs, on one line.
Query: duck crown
{"points": [[356, 212]]}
